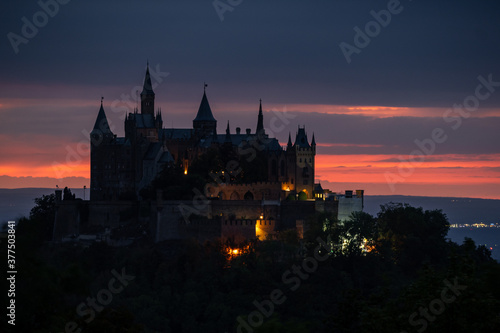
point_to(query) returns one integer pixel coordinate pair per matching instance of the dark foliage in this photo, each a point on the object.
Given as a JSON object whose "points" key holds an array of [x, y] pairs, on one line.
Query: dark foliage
{"points": [[185, 286]]}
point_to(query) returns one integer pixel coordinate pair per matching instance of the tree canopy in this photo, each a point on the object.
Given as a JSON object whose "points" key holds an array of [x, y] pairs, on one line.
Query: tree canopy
{"points": [[381, 274]]}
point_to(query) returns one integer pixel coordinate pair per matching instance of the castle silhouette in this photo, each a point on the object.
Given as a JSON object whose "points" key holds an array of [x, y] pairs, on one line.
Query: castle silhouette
{"points": [[122, 166], [262, 189]]}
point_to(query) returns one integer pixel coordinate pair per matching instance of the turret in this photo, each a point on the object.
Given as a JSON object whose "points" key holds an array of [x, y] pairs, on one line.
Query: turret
{"points": [[304, 162], [158, 120], [204, 124], [101, 133], [289, 145], [301, 139]]}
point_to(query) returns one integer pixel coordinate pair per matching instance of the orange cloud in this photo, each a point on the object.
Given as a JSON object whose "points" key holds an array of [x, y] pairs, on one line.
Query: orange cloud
{"points": [[43, 156], [378, 111], [437, 170]]}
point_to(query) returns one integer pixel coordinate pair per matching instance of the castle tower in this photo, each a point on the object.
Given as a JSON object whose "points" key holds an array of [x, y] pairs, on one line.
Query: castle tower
{"points": [[146, 125], [204, 124], [147, 95], [101, 133], [100, 139], [300, 163]]}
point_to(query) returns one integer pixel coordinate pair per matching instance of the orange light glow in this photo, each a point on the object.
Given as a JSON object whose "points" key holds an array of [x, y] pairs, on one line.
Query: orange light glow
{"points": [[236, 251]]}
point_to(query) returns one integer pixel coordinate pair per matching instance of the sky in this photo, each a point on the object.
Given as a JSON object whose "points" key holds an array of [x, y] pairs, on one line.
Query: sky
{"points": [[403, 97]]}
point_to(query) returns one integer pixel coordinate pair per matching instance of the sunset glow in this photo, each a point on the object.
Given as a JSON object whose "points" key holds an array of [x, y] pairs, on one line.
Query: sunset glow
{"points": [[63, 152]]}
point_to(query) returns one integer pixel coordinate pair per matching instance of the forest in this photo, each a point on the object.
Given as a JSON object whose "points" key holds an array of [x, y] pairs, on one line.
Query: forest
{"points": [[393, 272]]}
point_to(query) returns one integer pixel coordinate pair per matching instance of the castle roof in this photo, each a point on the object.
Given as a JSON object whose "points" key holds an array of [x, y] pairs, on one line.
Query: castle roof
{"points": [[176, 133], [156, 152], [204, 112], [101, 123], [143, 120], [301, 139], [121, 141], [166, 157], [153, 151], [236, 139]]}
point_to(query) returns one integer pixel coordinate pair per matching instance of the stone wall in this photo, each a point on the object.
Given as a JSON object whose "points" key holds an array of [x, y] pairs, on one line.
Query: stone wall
{"points": [[182, 219], [252, 191]]}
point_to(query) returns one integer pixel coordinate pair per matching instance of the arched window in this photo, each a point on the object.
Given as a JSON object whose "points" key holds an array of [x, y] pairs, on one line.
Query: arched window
{"points": [[282, 168], [248, 196]]}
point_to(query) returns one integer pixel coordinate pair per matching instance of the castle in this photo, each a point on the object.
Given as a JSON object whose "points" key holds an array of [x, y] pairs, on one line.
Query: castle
{"points": [[256, 186], [122, 166]]}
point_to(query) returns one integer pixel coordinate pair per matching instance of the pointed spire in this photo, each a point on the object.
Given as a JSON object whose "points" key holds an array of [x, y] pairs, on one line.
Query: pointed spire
{"points": [[289, 144], [204, 124], [147, 88], [204, 112], [158, 115], [313, 142], [101, 123], [147, 95], [260, 120]]}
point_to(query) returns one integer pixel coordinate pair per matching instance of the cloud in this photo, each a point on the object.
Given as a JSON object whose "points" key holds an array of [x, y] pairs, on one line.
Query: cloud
{"points": [[344, 134], [286, 52]]}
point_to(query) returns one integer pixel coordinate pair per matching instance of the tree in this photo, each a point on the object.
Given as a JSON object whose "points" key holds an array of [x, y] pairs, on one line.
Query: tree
{"points": [[414, 235], [44, 208], [357, 232], [40, 224]]}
